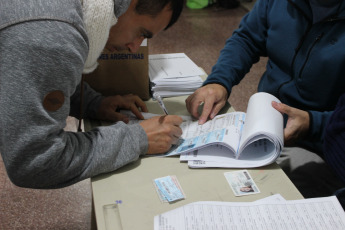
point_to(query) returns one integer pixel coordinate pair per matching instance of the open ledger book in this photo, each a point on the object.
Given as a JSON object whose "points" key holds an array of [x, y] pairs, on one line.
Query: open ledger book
{"points": [[236, 139]]}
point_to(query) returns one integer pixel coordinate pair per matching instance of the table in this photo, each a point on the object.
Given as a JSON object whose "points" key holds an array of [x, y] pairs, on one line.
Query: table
{"points": [[132, 197]]}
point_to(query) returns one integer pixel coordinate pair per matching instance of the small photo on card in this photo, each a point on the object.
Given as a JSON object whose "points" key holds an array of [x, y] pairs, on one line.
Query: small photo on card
{"points": [[241, 183]]}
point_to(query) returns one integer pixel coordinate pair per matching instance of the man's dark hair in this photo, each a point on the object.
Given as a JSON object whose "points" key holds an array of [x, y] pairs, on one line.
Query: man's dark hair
{"points": [[154, 7]]}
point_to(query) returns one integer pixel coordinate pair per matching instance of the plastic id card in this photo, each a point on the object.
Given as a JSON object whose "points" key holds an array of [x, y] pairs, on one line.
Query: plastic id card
{"points": [[168, 189]]}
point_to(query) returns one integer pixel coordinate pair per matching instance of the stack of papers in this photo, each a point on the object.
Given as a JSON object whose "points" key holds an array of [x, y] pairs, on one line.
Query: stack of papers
{"points": [[269, 213], [174, 74]]}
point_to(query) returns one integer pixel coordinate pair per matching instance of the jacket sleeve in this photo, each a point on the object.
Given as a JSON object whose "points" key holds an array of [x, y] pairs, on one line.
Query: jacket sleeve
{"points": [[317, 125], [90, 104], [242, 49], [334, 141], [37, 58]]}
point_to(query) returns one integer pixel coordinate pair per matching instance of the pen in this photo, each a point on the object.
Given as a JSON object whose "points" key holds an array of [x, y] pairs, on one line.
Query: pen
{"points": [[160, 102]]}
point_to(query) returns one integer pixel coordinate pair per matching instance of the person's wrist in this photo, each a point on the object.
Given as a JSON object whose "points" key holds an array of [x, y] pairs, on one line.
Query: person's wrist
{"points": [[309, 123]]}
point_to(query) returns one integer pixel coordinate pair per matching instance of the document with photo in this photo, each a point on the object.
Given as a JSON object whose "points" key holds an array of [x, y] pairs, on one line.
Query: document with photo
{"points": [[241, 183]]}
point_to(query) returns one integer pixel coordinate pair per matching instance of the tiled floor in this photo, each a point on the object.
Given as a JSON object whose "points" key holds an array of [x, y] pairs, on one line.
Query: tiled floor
{"points": [[200, 34]]}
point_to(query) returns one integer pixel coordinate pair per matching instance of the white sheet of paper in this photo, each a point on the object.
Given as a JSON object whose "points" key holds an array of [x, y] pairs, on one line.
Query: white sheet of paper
{"points": [[171, 66], [174, 74], [309, 214], [225, 127]]}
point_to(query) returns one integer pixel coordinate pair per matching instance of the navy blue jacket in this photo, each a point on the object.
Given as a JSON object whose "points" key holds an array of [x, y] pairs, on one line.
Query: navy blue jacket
{"points": [[306, 61], [334, 144]]}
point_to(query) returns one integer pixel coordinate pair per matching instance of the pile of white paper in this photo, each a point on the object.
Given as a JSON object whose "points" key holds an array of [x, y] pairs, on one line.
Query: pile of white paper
{"points": [[269, 213], [174, 74]]}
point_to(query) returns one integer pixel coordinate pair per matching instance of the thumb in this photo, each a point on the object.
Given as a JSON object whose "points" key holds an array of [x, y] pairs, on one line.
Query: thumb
{"points": [[284, 109]]}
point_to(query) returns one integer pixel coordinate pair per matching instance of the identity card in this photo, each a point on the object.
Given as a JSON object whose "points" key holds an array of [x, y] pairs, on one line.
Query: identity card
{"points": [[168, 189], [241, 183]]}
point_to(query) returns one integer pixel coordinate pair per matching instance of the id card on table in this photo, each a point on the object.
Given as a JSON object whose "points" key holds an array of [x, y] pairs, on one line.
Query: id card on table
{"points": [[241, 183], [168, 189]]}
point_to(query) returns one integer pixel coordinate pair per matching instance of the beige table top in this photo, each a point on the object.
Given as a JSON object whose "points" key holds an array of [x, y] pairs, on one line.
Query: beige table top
{"points": [[132, 187]]}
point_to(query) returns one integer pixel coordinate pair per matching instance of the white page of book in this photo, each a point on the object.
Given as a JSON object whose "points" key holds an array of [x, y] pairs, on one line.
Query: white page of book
{"points": [[218, 156], [308, 214], [225, 128], [262, 120]]}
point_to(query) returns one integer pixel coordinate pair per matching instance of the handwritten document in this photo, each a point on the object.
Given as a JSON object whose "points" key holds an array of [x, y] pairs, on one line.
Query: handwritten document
{"points": [[316, 213]]}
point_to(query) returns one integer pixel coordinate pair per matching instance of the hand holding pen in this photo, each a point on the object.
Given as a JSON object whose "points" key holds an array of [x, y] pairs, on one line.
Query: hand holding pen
{"points": [[160, 102], [162, 131]]}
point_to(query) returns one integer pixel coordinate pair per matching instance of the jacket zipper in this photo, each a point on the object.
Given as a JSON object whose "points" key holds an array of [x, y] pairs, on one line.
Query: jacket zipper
{"points": [[294, 57], [318, 38]]}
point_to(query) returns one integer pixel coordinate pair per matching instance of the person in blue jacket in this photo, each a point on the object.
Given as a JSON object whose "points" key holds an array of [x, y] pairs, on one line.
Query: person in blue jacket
{"points": [[304, 41], [334, 145]]}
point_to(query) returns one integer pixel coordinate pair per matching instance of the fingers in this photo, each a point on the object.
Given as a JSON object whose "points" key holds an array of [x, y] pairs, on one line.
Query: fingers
{"points": [[212, 106], [297, 125], [134, 104], [175, 132], [192, 104], [136, 101], [213, 96], [162, 132], [135, 110], [288, 138], [210, 109], [173, 120], [205, 112], [141, 104], [283, 108], [197, 99], [216, 109], [288, 130], [109, 106]]}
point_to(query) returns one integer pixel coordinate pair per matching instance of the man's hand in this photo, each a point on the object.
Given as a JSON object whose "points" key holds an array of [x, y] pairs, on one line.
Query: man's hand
{"points": [[297, 125], [109, 106], [162, 132], [213, 96]]}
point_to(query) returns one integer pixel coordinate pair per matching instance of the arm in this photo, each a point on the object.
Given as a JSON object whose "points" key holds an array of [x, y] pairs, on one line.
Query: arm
{"points": [[318, 122], [37, 58], [242, 49], [334, 141], [105, 108], [240, 52], [91, 103]]}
